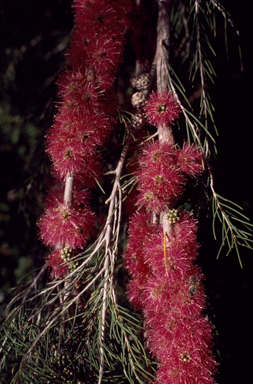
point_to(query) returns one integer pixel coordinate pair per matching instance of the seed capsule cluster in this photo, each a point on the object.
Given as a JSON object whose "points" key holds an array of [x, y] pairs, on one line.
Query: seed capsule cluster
{"points": [[66, 254], [141, 82], [63, 362], [173, 216], [138, 120], [138, 100], [73, 266]]}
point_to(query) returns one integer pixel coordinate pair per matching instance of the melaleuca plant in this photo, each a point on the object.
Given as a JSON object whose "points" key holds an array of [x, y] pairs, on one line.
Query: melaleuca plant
{"points": [[165, 281], [72, 322]]}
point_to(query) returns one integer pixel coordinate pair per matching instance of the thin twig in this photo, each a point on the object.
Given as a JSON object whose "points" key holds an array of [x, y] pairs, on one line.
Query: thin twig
{"points": [[227, 18], [116, 311], [220, 207], [103, 316], [174, 92], [3, 344], [201, 71], [25, 293], [134, 180], [60, 313], [225, 15], [118, 171], [108, 253]]}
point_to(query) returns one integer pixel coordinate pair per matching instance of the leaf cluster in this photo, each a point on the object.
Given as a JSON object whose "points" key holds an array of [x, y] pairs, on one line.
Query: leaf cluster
{"points": [[190, 74], [52, 332]]}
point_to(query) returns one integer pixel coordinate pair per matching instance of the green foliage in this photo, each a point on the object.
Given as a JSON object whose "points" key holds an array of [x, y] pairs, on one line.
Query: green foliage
{"points": [[194, 31], [236, 228], [53, 333]]}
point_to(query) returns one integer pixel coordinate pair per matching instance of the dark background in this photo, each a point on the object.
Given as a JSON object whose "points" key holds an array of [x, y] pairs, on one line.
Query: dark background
{"points": [[34, 37], [229, 287]]}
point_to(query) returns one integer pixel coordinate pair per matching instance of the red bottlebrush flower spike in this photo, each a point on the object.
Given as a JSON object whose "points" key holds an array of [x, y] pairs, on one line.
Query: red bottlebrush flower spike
{"points": [[139, 231], [190, 160], [161, 109], [105, 80], [178, 334], [76, 52], [89, 173], [81, 197], [65, 145], [105, 55], [99, 18], [74, 139], [169, 290], [78, 93], [163, 171], [160, 177], [55, 262], [83, 121], [188, 358], [61, 226], [135, 291]]}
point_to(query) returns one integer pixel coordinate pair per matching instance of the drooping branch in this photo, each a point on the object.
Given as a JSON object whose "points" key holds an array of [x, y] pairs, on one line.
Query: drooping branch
{"points": [[201, 71], [109, 250], [162, 42], [162, 45]]}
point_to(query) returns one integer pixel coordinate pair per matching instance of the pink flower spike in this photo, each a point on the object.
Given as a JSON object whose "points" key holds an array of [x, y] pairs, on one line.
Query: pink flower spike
{"points": [[159, 177], [140, 230], [190, 160], [105, 55], [78, 93], [135, 291], [58, 269], [99, 18], [161, 109], [61, 226]]}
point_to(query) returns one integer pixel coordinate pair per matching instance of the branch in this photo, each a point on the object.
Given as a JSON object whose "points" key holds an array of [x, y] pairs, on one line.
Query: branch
{"points": [[60, 313], [183, 110], [163, 23], [68, 191], [227, 17], [25, 293], [118, 172], [201, 72], [109, 254], [164, 132]]}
